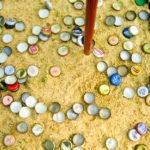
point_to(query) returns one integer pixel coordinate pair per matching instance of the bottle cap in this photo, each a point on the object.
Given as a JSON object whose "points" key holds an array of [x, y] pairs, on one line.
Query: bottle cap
{"points": [[80, 40], [133, 30], [54, 107], [32, 39], [21, 81], [104, 89], [63, 50], [117, 5], [136, 58], [134, 135], [78, 108], [33, 49], [142, 91], [115, 79], [9, 140], [123, 70], [48, 5], [22, 47], [65, 36], [24, 112], [128, 45], [111, 143], [36, 30], [136, 70], [43, 37], [113, 40], [111, 70], [22, 127], [24, 96], [65, 145], [10, 23], [118, 21], [141, 128], [68, 20], [59, 117], [55, 71], [3, 57], [43, 13], [7, 38], [13, 87], [55, 28], [7, 100], [130, 15], [79, 21], [100, 3], [77, 31], [10, 80], [9, 70], [20, 26], [15, 107], [146, 48], [48, 145], [72, 115], [105, 113], [40, 108], [101, 66], [78, 139], [110, 20], [93, 109], [7, 50], [30, 101], [128, 92], [78, 4], [32, 71], [125, 55], [46, 31], [89, 97], [144, 15], [140, 2], [21, 74], [37, 129], [126, 33], [141, 147], [98, 53]]}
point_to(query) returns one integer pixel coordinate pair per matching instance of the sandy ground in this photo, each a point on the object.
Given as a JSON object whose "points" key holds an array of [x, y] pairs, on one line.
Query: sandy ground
{"points": [[79, 75]]}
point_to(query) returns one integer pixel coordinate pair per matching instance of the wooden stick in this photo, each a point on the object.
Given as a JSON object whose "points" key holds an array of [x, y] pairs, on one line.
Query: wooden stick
{"points": [[91, 6]]}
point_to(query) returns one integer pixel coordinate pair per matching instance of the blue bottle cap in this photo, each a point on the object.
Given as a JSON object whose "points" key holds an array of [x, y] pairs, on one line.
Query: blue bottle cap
{"points": [[126, 33], [115, 79], [7, 50], [9, 70], [77, 31], [141, 128]]}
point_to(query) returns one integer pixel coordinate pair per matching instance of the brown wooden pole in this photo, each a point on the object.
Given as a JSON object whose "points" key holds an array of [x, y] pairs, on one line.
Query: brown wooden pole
{"points": [[91, 6]]}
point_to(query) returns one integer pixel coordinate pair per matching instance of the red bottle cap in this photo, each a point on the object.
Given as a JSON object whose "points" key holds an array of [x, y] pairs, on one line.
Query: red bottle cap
{"points": [[13, 87]]}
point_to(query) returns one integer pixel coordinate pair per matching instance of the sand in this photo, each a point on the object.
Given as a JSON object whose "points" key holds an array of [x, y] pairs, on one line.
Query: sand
{"points": [[78, 75]]}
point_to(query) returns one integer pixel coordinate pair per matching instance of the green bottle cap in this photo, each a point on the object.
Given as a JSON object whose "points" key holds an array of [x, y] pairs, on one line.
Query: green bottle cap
{"points": [[140, 2]]}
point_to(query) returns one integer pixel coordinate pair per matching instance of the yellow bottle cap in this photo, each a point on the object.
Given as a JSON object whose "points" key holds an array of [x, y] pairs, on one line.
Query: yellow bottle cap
{"points": [[141, 147], [104, 89], [136, 70]]}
